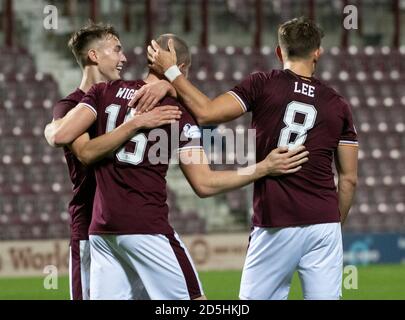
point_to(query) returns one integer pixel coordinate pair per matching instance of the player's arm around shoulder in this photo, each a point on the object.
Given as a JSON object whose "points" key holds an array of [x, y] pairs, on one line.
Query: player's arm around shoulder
{"points": [[346, 159], [60, 109], [206, 182], [89, 151], [206, 111], [63, 131], [224, 108]]}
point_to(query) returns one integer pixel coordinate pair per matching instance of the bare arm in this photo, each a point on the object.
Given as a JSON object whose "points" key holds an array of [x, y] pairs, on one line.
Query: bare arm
{"points": [[206, 182], [346, 165], [63, 131], [89, 151], [222, 109]]}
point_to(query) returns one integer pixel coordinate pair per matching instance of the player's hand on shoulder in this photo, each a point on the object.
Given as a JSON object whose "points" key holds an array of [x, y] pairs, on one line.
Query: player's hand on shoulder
{"points": [[160, 60], [147, 97], [158, 117], [283, 161]]}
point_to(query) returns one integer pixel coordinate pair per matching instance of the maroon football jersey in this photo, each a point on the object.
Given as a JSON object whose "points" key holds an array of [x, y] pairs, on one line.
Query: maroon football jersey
{"points": [[131, 186], [82, 177], [291, 110]]}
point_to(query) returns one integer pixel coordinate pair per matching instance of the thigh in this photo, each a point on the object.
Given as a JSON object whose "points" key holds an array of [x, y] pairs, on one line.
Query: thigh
{"points": [[79, 269], [321, 267], [163, 264], [271, 260], [111, 278]]}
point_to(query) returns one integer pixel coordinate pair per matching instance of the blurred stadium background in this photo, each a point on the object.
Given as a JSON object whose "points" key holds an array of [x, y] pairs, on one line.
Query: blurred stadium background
{"points": [[228, 39]]}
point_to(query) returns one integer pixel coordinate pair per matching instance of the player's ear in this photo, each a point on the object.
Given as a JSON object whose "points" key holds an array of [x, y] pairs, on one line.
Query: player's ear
{"points": [[279, 54], [317, 54], [184, 69], [92, 56]]}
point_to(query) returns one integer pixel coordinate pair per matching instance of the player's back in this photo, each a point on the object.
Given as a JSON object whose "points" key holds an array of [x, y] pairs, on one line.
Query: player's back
{"points": [[131, 186], [291, 110]]}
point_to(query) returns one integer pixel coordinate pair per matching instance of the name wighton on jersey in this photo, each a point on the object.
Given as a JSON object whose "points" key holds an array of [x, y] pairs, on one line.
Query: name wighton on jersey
{"points": [[131, 187], [289, 110]]}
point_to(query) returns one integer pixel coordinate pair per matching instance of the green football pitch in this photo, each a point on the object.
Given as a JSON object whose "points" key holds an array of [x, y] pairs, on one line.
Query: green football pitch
{"points": [[374, 282]]}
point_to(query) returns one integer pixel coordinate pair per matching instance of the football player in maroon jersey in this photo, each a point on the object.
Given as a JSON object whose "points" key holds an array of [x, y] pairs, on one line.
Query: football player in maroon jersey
{"points": [[297, 218], [99, 53]]}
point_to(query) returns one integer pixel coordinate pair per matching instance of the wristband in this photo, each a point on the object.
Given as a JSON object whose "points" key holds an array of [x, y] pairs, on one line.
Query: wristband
{"points": [[172, 73]]}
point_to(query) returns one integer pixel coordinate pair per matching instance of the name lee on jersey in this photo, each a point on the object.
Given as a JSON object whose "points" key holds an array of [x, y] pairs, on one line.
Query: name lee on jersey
{"points": [[305, 89]]}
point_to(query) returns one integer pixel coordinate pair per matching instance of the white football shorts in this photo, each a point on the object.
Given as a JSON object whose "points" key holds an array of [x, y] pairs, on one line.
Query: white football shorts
{"points": [[141, 267], [79, 269], [315, 251]]}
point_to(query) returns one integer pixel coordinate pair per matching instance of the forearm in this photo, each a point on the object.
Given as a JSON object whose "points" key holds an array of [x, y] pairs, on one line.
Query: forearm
{"points": [[61, 135], [72, 125], [346, 191], [222, 181], [96, 149], [197, 102]]}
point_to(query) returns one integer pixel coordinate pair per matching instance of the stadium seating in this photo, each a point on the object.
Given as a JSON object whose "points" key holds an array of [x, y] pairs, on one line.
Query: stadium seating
{"points": [[34, 184]]}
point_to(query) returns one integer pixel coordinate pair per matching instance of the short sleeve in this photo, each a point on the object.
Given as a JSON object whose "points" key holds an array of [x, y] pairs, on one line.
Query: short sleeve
{"points": [[93, 96], [62, 107], [249, 90], [190, 133], [349, 133]]}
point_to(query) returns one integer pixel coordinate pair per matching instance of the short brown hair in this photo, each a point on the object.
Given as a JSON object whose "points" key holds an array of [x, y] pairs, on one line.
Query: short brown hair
{"points": [[299, 37], [181, 47], [80, 40]]}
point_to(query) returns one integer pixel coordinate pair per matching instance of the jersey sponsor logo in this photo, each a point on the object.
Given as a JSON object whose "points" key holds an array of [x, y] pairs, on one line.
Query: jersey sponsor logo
{"points": [[191, 131]]}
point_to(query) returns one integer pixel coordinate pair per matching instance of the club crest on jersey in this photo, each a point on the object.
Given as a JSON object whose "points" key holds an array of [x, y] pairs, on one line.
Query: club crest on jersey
{"points": [[191, 132]]}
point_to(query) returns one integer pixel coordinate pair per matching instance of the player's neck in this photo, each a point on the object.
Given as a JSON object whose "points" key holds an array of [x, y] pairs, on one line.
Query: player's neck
{"points": [[91, 76], [301, 68], [152, 77]]}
